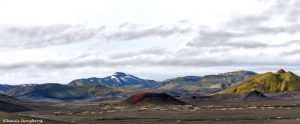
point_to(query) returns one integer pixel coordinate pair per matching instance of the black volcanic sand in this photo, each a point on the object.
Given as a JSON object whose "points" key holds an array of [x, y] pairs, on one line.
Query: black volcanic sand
{"points": [[205, 110], [281, 108]]}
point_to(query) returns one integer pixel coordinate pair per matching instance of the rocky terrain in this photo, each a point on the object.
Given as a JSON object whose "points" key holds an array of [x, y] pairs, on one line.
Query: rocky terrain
{"points": [[212, 110]]}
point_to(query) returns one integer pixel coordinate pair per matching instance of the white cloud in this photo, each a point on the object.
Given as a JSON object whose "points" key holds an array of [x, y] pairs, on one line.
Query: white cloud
{"points": [[155, 39]]}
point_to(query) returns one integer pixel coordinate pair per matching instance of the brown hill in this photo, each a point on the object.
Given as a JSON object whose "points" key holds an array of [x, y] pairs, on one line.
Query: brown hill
{"points": [[269, 82], [152, 99]]}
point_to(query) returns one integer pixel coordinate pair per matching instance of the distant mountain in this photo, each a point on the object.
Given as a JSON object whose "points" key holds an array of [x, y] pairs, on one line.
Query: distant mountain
{"points": [[267, 83], [117, 80], [6, 87], [59, 91], [219, 81]]}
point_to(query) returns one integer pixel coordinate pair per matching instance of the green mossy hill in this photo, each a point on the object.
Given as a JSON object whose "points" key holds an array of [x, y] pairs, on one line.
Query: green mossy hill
{"points": [[267, 82]]}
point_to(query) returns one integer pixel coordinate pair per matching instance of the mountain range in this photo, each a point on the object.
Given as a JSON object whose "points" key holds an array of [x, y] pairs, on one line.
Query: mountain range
{"points": [[117, 80], [237, 82], [7, 87], [219, 81], [59, 91]]}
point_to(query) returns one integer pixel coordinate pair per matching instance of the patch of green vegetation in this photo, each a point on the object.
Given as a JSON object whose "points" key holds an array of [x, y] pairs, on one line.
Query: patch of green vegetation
{"points": [[267, 82], [169, 85], [174, 85]]}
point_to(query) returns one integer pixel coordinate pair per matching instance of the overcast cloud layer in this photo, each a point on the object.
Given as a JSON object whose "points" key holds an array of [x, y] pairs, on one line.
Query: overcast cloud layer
{"points": [[179, 38]]}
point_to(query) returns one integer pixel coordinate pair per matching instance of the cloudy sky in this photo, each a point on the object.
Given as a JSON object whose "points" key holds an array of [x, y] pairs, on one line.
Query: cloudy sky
{"points": [[61, 40]]}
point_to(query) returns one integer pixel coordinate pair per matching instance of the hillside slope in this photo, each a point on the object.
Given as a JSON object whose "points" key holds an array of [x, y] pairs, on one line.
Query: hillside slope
{"points": [[59, 91], [267, 82], [219, 81], [7, 104]]}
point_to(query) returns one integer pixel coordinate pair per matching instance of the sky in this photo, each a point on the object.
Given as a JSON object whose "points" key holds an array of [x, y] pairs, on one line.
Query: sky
{"points": [[57, 41]]}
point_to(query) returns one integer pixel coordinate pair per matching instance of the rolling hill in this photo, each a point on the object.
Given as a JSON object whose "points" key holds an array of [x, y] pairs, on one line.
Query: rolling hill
{"points": [[6, 87], [152, 99], [59, 91], [219, 81], [267, 83]]}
